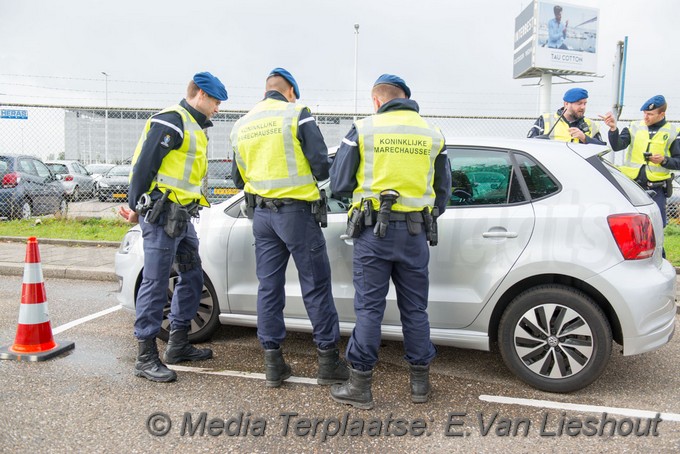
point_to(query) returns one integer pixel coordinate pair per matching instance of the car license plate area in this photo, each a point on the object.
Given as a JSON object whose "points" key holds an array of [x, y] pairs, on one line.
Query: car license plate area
{"points": [[218, 191], [117, 195]]}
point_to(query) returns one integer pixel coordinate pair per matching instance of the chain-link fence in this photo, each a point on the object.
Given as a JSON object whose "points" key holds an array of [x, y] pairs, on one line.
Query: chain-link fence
{"points": [[82, 136]]}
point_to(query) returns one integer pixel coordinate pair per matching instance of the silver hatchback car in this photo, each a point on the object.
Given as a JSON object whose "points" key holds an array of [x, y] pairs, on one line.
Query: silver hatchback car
{"points": [[545, 250]]}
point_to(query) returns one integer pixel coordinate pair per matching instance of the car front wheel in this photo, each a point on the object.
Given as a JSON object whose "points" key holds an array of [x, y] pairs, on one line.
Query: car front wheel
{"points": [[205, 321], [555, 338]]}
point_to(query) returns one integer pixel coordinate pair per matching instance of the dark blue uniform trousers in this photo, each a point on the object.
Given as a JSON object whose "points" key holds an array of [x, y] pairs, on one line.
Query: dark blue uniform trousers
{"points": [[159, 254], [660, 198], [292, 230], [404, 258]]}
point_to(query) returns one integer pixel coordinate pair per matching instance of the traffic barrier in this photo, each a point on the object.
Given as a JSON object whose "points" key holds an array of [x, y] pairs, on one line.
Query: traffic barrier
{"points": [[34, 341]]}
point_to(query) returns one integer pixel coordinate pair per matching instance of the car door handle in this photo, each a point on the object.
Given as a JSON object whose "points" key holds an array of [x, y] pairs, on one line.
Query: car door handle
{"points": [[498, 234]]}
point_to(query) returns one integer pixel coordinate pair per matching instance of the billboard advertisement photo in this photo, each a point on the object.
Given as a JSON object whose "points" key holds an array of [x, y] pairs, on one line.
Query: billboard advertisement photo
{"points": [[555, 37]]}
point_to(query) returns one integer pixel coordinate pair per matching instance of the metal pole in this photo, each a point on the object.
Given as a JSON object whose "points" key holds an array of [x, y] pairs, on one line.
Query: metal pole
{"points": [[356, 66], [544, 93], [106, 120]]}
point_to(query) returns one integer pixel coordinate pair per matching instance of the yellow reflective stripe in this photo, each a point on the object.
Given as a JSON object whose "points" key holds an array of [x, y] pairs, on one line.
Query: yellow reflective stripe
{"points": [[288, 144], [299, 180]]}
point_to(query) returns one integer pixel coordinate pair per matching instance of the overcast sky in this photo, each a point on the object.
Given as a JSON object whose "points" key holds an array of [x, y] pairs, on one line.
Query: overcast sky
{"points": [[456, 56]]}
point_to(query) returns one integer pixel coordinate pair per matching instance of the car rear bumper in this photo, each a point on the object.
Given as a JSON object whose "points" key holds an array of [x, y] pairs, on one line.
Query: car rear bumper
{"points": [[646, 312]]}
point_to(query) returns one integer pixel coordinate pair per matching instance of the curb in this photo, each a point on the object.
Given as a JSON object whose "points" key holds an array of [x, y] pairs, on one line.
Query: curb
{"points": [[59, 242], [58, 272]]}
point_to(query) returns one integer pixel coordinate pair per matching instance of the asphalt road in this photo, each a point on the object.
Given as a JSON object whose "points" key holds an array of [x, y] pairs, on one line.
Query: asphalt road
{"points": [[89, 400]]}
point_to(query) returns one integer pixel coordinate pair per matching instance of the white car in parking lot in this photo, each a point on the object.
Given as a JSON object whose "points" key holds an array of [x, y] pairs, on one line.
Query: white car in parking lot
{"points": [[545, 250]]}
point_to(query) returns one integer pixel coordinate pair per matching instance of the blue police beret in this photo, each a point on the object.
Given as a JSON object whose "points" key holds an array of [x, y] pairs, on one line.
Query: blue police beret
{"points": [[211, 85], [653, 103], [575, 94], [289, 77], [391, 79]]}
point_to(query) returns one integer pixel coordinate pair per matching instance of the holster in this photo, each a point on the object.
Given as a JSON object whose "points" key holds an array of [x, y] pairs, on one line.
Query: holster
{"points": [[251, 203], [430, 220], [157, 208], [355, 223], [669, 186], [320, 209], [178, 218]]}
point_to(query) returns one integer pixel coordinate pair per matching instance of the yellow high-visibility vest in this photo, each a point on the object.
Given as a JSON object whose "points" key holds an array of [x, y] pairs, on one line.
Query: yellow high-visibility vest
{"points": [[269, 154], [183, 169], [561, 130], [397, 151], [640, 143]]}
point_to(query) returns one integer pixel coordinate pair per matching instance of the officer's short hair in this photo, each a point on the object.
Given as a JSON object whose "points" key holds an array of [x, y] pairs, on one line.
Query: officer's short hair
{"points": [[557, 9], [386, 92], [192, 89]]}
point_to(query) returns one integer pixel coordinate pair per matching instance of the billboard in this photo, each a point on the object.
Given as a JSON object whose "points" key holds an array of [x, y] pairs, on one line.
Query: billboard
{"points": [[555, 37]]}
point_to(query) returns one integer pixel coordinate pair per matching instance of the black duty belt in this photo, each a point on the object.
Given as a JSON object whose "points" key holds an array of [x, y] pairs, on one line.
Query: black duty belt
{"points": [[416, 216], [265, 202]]}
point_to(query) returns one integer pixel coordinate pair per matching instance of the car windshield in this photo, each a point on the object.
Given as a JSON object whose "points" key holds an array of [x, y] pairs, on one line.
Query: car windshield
{"points": [[59, 169], [119, 171]]}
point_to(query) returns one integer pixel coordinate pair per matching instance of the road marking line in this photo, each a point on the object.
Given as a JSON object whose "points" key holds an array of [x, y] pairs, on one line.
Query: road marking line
{"points": [[236, 373], [579, 407], [69, 325]]}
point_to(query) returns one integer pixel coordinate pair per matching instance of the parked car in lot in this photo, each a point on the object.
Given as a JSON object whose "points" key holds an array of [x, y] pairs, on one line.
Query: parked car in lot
{"points": [[220, 185], [531, 260], [77, 181], [98, 170], [29, 188], [114, 184]]}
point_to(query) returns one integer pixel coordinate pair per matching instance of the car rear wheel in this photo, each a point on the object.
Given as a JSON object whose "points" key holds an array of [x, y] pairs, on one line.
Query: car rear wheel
{"points": [[76, 194], [205, 322], [555, 338]]}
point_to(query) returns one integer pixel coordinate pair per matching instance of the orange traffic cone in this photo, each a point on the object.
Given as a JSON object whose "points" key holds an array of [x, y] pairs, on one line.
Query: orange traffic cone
{"points": [[34, 341]]}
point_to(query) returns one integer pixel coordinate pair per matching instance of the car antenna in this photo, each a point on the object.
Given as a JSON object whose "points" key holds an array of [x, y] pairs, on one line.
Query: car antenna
{"points": [[547, 136]]}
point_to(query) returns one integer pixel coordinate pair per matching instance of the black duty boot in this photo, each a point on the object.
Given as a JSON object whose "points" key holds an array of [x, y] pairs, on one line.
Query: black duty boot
{"points": [[356, 391], [275, 368], [420, 383], [180, 349], [331, 368], [149, 366]]}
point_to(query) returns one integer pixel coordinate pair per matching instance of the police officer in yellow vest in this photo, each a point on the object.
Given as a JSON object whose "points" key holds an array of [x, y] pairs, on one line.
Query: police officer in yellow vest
{"points": [[279, 155], [168, 167], [395, 167], [652, 149], [569, 123]]}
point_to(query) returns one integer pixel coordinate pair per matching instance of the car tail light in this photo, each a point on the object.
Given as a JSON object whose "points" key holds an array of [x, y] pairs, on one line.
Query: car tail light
{"points": [[634, 235], [11, 180], [68, 177]]}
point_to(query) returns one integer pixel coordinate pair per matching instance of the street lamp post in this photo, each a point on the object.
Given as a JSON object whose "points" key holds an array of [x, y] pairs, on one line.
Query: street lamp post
{"points": [[356, 66], [106, 119]]}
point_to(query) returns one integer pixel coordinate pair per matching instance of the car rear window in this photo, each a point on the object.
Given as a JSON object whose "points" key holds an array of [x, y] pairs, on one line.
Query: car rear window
{"points": [[59, 169], [633, 191], [4, 165]]}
